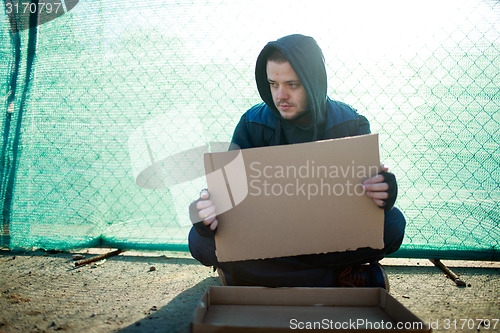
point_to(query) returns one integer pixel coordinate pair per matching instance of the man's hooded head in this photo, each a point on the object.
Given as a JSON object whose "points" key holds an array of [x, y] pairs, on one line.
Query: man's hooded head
{"points": [[306, 59]]}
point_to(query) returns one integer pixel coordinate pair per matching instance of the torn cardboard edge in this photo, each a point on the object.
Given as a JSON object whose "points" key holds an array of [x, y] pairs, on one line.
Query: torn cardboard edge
{"points": [[260, 309], [295, 199]]}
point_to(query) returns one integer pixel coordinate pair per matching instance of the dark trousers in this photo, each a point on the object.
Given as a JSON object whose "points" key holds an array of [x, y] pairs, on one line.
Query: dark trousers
{"points": [[315, 270]]}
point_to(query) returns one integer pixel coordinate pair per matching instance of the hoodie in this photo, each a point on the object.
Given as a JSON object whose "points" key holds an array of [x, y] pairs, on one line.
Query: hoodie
{"points": [[262, 125]]}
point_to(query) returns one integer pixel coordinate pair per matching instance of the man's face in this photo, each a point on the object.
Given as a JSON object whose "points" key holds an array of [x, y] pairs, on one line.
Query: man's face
{"points": [[289, 95]]}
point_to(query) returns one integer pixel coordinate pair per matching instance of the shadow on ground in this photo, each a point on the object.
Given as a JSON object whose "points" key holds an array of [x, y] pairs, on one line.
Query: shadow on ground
{"points": [[176, 316]]}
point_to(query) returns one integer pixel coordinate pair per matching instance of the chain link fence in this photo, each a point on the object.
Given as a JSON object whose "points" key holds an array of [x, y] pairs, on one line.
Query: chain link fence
{"points": [[102, 98]]}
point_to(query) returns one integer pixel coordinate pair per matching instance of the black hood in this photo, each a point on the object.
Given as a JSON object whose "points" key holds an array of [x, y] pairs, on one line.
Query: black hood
{"points": [[306, 58]]}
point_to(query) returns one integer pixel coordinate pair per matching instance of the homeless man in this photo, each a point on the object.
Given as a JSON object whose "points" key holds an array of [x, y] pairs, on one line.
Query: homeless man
{"points": [[291, 79]]}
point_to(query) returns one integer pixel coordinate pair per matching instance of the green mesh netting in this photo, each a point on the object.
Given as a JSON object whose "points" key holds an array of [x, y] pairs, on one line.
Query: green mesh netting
{"points": [[104, 105]]}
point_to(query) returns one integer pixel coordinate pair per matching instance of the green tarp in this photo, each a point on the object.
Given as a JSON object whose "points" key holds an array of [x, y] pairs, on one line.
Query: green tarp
{"points": [[108, 94]]}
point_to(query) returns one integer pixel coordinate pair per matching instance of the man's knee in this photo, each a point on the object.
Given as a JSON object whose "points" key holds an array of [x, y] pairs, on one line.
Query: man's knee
{"points": [[202, 248], [394, 229]]}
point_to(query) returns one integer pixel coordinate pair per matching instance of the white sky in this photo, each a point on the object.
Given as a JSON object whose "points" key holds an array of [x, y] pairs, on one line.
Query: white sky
{"points": [[214, 30]]}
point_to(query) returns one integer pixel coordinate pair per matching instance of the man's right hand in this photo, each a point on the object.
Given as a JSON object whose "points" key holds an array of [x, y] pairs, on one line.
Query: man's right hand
{"points": [[206, 210]]}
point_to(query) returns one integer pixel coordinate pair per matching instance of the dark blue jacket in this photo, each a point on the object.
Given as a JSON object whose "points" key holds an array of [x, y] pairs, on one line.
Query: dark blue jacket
{"points": [[258, 126]]}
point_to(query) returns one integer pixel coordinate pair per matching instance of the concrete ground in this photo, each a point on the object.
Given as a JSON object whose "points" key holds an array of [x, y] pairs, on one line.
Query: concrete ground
{"points": [[158, 292]]}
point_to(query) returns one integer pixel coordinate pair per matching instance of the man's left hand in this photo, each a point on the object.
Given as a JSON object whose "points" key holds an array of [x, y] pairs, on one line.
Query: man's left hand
{"points": [[377, 189]]}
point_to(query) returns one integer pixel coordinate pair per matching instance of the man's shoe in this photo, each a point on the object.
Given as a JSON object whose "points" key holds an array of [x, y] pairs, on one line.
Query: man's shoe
{"points": [[372, 275]]}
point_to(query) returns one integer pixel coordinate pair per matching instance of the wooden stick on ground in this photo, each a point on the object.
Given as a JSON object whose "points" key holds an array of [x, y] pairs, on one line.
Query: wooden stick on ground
{"points": [[448, 272], [99, 257]]}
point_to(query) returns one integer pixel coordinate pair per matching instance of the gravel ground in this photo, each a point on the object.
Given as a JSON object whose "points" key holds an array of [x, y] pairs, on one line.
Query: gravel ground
{"points": [[158, 292]]}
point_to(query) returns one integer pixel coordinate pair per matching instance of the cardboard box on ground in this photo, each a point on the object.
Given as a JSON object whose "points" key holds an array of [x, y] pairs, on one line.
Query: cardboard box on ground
{"points": [[258, 309], [295, 199]]}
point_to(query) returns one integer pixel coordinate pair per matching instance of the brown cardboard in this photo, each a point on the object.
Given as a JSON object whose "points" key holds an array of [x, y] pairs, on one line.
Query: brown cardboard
{"points": [[295, 199], [259, 309]]}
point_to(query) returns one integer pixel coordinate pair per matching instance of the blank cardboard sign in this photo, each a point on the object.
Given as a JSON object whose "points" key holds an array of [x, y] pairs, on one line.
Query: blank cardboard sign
{"points": [[295, 199]]}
